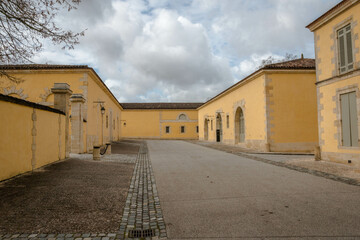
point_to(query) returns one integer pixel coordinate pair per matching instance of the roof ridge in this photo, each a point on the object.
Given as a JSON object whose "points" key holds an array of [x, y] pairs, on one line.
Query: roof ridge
{"points": [[293, 60]]}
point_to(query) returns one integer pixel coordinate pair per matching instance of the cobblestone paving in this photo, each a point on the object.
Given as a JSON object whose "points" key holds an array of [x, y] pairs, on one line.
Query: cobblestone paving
{"points": [[282, 163], [142, 209], [142, 212]]}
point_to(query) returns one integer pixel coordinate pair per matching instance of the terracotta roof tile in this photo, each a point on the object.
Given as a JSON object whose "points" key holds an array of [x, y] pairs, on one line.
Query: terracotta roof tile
{"points": [[161, 105], [302, 63], [40, 66]]}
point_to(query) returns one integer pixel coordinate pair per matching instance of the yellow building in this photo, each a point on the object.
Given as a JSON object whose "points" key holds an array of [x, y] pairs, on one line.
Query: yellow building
{"points": [[32, 135], [160, 120], [337, 45], [273, 109], [95, 113]]}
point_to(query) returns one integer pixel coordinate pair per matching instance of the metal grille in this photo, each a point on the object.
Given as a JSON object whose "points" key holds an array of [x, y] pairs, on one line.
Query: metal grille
{"points": [[141, 233]]}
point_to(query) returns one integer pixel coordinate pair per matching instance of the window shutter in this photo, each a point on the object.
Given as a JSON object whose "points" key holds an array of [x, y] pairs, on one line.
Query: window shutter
{"points": [[353, 119], [345, 120], [349, 50], [342, 53]]}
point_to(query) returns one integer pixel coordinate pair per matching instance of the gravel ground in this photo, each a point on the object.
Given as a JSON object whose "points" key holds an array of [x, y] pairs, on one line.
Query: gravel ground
{"points": [[70, 196]]}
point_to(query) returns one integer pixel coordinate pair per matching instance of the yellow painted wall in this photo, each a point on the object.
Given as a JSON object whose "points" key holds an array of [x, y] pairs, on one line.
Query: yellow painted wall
{"points": [[293, 111], [38, 83], [16, 140], [142, 123], [97, 93], [252, 96], [331, 82], [330, 133], [325, 41]]}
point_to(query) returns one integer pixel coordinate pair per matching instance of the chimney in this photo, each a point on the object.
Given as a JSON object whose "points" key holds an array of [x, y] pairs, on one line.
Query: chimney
{"points": [[302, 56]]}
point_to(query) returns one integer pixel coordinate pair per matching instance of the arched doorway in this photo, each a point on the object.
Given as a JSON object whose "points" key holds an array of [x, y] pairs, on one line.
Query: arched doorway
{"points": [[218, 128], [239, 126], [206, 129]]}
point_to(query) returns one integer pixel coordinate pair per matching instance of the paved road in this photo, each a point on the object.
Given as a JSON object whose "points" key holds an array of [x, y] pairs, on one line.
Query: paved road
{"points": [[209, 194]]}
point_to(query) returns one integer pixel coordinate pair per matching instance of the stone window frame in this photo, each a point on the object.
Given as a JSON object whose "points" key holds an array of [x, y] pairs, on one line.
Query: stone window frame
{"points": [[336, 60], [182, 114], [242, 105], [169, 129], [181, 127], [337, 110]]}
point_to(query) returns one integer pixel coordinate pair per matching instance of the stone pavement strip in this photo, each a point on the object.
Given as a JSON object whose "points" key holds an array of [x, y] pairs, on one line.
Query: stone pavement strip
{"points": [[142, 216], [271, 159]]}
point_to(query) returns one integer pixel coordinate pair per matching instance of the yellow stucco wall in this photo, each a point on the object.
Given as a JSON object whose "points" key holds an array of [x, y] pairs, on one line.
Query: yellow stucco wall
{"points": [[331, 83], [279, 109], [37, 85], [330, 130], [326, 42], [142, 123], [251, 98], [96, 93], [293, 111], [17, 142]]}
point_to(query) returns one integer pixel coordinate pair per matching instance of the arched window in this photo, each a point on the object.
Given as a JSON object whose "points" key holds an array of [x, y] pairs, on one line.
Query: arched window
{"points": [[182, 117]]}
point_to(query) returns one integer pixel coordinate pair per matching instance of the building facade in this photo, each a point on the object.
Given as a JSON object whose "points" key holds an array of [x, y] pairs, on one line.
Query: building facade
{"points": [[337, 45], [94, 111], [160, 120], [273, 109]]}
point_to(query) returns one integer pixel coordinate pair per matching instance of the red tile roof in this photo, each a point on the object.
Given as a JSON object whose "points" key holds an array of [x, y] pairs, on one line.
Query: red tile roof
{"points": [[41, 66], [302, 63], [162, 105]]}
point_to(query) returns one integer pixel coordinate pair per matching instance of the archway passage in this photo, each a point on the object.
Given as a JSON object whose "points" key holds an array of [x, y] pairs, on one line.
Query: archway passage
{"points": [[206, 129], [239, 126], [218, 128]]}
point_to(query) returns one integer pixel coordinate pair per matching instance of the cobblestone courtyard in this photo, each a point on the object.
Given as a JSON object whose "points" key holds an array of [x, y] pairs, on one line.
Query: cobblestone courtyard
{"points": [[83, 199]]}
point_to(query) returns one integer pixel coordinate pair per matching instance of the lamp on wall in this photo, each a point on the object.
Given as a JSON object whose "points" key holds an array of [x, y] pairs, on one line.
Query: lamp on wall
{"points": [[102, 110]]}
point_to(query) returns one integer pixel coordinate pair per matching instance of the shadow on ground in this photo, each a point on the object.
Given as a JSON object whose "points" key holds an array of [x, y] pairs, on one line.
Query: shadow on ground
{"points": [[69, 196]]}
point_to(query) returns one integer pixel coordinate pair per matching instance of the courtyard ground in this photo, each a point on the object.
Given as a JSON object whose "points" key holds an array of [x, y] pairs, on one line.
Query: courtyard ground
{"points": [[301, 162], [211, 194], [72, 196]]}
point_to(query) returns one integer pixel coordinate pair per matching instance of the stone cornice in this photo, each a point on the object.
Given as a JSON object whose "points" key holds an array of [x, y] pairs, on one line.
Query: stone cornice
{"points": [[329, 15]]}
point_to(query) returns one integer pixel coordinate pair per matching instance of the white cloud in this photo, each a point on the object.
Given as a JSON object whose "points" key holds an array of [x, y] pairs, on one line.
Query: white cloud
{"points": [[162, 50]]}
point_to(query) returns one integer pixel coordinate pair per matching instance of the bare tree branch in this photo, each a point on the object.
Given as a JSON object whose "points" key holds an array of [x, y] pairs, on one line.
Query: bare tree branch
{"points": [[271, 60], [24, 24]]}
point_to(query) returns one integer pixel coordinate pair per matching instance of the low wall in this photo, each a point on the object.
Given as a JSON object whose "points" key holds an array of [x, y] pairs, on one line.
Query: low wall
{"points": [[31, 136]]}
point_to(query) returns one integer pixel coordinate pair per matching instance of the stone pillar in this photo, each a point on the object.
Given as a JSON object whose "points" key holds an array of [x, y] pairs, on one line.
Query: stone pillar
{"points": [[96, 153], [77, 105], [62, 94], [317, 153]]}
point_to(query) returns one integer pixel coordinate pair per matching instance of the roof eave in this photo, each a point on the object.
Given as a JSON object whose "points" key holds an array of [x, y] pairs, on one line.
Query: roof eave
{"points": [[329, 15]]}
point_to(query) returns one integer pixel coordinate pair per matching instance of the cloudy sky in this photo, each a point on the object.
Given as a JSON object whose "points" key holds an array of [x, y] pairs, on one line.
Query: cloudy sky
{"points": [[183, 50]]}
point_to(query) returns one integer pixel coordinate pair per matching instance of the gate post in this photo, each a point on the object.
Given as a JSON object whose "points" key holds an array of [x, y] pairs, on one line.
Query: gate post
{"points": [[62, 94], [77, 142]]}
